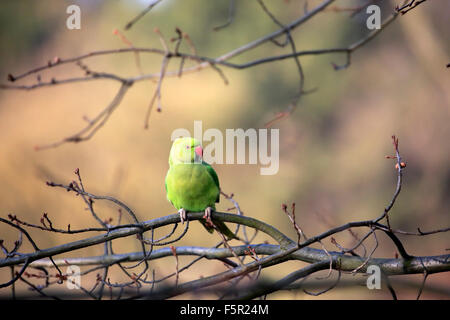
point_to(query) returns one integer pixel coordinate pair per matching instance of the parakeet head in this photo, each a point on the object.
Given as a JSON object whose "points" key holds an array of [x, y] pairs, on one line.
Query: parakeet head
{"points": [[186, 150]]}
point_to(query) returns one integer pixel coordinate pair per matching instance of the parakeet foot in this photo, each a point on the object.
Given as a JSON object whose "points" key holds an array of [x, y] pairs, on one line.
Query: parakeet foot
{"points": [[207, 215], [182, 213]]}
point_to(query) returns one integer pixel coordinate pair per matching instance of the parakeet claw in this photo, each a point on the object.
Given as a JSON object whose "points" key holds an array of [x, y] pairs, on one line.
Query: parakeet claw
{"points": [[182, 213], [207, 215]]}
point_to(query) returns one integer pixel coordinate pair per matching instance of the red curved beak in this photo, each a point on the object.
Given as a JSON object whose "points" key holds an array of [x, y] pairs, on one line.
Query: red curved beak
{"points": [[199, 151]]}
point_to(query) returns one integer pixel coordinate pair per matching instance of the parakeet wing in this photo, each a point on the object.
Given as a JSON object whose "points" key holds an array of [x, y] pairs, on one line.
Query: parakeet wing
{"points": [[214, 176]]}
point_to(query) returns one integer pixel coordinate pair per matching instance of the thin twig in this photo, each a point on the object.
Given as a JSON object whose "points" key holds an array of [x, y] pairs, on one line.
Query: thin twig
{"points": [[141, 14], [231, 14]]}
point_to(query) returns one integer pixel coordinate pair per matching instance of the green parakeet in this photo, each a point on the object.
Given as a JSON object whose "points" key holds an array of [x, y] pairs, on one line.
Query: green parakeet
{"points": [[192, 184]]}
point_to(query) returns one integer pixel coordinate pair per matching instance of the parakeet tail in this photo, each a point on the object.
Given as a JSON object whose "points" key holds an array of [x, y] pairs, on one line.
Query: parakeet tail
{"points": [[222, 227]]}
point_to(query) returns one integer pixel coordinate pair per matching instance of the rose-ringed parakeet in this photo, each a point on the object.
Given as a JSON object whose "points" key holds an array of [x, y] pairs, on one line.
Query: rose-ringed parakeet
{"points": [[192, 184]]}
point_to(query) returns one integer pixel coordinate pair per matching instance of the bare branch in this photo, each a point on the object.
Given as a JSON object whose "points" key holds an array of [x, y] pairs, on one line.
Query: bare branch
{"points": [[231, 13], [142, 13]]}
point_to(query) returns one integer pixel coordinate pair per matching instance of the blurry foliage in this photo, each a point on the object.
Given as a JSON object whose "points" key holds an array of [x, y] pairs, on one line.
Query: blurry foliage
{"points": [[331, 149]]}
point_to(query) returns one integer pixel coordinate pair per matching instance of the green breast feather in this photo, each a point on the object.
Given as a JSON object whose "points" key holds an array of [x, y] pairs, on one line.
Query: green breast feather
{"points": [[192, 186]]}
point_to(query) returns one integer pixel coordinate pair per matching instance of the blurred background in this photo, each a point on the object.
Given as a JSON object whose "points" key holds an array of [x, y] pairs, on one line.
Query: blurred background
{"points": [[332, 147]]}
